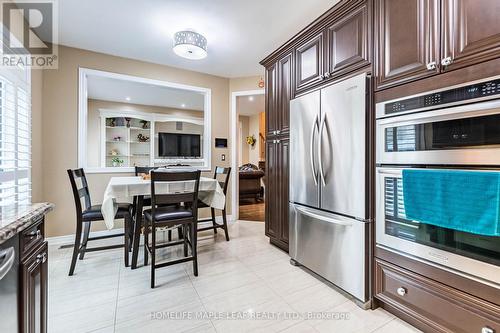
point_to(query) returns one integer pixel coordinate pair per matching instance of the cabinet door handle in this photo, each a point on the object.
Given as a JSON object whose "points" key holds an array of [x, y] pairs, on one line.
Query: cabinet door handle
{"points": [[446, 61], [401, 291], [278, 132], [431, 66], [322, 77], [327, 75], [487, 329], [41, 257]]}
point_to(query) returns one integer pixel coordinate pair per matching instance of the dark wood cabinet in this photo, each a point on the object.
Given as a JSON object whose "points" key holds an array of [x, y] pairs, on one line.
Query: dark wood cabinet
{"points": [[34, 294], [283, 150], [431, 305], [284, 94], [272, 111], [471, 32], [309, 68], [273, 222], [415, 39], [277, 191], [406, 40], [348, 41]]}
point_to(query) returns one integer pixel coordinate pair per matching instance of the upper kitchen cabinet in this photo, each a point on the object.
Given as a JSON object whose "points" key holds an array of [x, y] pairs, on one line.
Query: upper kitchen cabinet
{"points": [[309, 62], [406, 40], [348, 41], [284, 93], [272, 111], [278, 95], [471, 32], [342, 44]]}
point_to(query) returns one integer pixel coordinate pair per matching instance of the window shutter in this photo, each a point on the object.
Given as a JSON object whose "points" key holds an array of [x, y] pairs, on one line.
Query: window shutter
{"points": [[15, 136]]}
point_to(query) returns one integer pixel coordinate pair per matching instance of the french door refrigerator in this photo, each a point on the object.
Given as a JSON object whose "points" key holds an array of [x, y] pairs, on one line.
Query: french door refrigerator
{"points": [[329, 224]]}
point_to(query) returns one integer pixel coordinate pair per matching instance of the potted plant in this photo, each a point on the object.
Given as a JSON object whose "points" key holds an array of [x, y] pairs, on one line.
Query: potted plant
{"points": [[116, 161]]}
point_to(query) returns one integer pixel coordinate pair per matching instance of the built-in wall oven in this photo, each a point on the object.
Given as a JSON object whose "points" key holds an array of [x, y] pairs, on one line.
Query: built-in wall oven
{"points": [[455, 128]]}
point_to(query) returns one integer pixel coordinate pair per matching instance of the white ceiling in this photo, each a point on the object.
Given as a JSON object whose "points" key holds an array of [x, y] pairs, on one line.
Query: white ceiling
{"points": [[240, 33], [250, 105], [114, 90]]}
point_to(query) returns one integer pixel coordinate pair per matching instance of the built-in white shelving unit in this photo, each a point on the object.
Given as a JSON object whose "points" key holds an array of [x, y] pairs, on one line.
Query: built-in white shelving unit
{"points": [[121, 140]]}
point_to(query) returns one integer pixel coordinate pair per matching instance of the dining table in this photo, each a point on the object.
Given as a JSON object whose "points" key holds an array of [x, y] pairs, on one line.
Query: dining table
{"points": [[130, 188]]}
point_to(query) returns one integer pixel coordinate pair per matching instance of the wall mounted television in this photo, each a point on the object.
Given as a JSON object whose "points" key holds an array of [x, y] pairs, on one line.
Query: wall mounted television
{"points": [[174, 145]]}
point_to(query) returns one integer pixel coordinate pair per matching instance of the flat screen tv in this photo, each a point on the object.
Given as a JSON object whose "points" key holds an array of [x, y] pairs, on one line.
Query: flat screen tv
{"points": [[179, 145]]}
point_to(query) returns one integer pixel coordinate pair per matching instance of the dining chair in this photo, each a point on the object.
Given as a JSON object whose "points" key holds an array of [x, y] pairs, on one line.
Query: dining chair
{"points": [[139, 170], [225, 173], [169, 211], [89, 213]]}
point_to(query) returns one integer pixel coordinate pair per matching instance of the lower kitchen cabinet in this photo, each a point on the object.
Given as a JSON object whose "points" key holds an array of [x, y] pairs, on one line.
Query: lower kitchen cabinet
{"points": [[34, 291], [430, 305], [277, 160]]}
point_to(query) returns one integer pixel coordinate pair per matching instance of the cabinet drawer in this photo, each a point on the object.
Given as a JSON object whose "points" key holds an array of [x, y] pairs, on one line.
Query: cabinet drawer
{"points": [[441, 307], [32, 237]]}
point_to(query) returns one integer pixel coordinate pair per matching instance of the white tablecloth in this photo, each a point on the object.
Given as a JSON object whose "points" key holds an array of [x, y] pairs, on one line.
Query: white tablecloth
{"points": [[125, 188]]}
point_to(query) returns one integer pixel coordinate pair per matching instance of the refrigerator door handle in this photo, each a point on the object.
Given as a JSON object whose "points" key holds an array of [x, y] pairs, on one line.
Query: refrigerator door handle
{"points": [[320, 146], [322, 217], [311, 146]]}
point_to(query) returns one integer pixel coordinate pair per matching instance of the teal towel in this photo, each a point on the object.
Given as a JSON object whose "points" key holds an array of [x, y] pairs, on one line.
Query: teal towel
{"points": [[461, 200]]}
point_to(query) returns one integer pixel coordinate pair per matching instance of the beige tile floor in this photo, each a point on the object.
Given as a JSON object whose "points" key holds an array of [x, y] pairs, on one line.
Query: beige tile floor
{"points": [[244, 277]]}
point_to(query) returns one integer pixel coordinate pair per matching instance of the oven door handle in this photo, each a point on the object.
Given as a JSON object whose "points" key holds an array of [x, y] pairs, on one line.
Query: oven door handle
{"points": [[6, 261], [393, 172]]}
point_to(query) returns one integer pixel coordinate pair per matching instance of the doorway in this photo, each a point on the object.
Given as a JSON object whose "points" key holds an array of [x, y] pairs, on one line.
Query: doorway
{"points": [[249, 159]]}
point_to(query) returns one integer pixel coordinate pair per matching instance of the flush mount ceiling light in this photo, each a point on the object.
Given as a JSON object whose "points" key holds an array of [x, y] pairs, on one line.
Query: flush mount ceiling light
{"points": [[190, 45]]}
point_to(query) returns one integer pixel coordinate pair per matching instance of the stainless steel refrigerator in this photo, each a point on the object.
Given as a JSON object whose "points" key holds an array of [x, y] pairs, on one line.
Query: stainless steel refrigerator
{"points": [[329, 224]]}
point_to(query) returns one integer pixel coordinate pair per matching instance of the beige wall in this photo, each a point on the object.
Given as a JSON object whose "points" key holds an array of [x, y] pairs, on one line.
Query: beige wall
{"points": [[60, 123], [245, 83]]}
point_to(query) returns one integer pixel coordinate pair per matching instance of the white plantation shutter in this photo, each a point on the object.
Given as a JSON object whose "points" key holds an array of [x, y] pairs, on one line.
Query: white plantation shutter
{"points": [[15, 136]]}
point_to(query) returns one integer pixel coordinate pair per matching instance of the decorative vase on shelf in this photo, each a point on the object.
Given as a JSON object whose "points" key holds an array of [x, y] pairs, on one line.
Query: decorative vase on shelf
{"points": [[128, 121], [113, 122]]}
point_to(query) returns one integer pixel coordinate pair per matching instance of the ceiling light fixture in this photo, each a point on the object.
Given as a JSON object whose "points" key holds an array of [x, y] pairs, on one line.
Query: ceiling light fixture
{"points": [[190, 45], [250, 98], [183, 105], [127, 99]]}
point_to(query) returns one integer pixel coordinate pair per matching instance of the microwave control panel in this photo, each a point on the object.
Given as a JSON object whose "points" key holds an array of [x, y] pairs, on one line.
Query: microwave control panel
{"points": [[465, 93]]}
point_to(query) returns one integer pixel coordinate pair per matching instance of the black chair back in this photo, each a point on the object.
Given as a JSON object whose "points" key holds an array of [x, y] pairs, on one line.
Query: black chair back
{"points": [[140, 170], [225, 173], [79, 192], [189, 198]]}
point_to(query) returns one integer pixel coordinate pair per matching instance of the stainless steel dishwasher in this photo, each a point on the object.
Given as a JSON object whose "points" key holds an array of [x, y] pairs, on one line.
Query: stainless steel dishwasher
{"points": [[9, 285]]}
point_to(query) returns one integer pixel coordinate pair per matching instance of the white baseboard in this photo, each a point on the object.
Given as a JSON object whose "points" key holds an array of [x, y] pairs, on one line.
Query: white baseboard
{"points": [[70, 239]]}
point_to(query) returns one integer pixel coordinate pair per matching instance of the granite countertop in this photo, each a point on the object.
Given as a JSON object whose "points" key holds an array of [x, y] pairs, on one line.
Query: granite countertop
{"points": [[16, 218]]}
